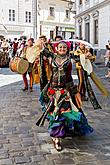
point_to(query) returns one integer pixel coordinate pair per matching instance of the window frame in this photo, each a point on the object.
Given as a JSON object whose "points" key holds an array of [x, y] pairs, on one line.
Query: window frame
{"points": [[80, 31], [52, 11], [96, 31], [67, 14], [80, 2], [87, 31], [11, 15], [28, 17]]}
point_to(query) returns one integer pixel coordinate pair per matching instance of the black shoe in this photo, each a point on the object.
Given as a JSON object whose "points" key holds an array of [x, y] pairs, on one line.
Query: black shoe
{"points": [[24, 89]]}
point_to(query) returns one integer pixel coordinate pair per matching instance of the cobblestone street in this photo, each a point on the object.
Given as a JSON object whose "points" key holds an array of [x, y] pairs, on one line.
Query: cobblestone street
{"points": [[22, 142]]}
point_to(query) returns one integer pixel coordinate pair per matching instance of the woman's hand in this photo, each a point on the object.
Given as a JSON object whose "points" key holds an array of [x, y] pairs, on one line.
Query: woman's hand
{"points": [[87, 55]]}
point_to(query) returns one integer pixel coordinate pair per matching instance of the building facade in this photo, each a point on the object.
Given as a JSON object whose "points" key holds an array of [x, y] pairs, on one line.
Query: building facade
{"points": [[93, 21], [16, 18], [32, 18], [56, 19]]}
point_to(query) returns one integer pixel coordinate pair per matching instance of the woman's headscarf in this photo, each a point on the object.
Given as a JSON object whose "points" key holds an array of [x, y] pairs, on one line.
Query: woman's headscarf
{"points": [[55, 45]]}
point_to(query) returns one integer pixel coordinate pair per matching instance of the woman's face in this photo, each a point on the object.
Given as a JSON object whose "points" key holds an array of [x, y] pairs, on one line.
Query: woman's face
{"points": [[82, 46], [62, 49], [30, 43]]}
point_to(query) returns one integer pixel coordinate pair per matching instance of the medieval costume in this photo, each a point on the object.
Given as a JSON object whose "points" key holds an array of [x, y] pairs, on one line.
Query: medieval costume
{"points": [[41, 68], [26, 55], [61, 101], [84, 60]]}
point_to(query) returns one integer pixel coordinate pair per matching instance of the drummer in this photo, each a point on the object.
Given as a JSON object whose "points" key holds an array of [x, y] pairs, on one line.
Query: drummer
{"points": [[29, 71]]}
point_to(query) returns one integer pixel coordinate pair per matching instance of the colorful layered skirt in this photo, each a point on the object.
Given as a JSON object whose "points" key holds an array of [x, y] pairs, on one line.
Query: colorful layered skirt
{"points": [[62, 117]]}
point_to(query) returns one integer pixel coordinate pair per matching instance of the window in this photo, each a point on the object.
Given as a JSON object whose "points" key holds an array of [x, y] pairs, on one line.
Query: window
{"points": [[86, 0], [52, 11], [96, 31], [51, 34], [87, 31], [80, 2], [28, 17], [80, 31], [67, 14], [11, 15]]}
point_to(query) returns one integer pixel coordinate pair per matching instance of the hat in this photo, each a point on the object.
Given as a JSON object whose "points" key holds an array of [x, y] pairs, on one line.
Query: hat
{"points": [[43, 36], [66, 43], [31, 39], [55, 45]]}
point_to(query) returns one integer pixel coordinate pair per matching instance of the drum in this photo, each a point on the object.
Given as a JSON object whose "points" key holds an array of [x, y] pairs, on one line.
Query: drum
{"points": [[18, 65], [33, 53]]}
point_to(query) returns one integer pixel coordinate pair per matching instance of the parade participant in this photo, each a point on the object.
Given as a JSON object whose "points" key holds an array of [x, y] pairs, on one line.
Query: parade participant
{"points": [[57, 38], [82, 89], [24, 55], [4, 53], [107, 59], [45, 71], [15, 46], [84, 58], [61, 101], [21, 46], [5, 45]]}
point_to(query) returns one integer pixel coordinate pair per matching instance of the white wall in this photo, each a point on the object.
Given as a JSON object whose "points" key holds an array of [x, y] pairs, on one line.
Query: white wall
{"points": [[19, 26], [104, 26], [104, 22]]}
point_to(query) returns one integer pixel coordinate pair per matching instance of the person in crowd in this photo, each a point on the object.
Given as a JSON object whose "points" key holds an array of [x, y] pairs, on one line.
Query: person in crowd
{"points": [[76, 44], [21, 46], [43, 62], [0, 42], [15, 46], [58, 38], [61, 99], [10, 49], [25, 56], [5, 45], [84, 86], [107, 59], [84, 59], [4, 55]]}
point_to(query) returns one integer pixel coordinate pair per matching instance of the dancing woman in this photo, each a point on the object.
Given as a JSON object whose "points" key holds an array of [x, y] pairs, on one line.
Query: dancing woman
{"points": [[61, 101]]}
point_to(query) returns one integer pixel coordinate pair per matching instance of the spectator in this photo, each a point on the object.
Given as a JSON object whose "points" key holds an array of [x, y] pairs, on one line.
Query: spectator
{"points": [[58, 38], [15, 46], [107, 59]]}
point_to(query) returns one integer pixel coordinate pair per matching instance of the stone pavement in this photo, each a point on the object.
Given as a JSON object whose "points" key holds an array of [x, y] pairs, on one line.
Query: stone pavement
{"points": [[23, 143]]}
